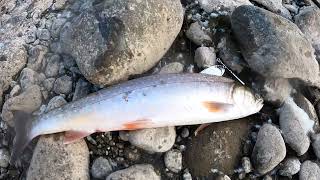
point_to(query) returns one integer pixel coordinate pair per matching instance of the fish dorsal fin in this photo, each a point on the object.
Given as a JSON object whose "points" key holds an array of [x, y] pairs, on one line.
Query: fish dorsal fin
{"points": [[72, 136], [216, 70]]}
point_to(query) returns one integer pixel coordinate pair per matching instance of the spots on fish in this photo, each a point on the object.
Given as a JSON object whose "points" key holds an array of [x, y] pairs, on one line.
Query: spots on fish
{"points": [[137, 124], [212, 106]]}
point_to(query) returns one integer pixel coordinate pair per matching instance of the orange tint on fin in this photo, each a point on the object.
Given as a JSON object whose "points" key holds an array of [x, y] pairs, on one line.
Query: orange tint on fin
{"points": [[72, 136], [213, 106], [137, 124]]}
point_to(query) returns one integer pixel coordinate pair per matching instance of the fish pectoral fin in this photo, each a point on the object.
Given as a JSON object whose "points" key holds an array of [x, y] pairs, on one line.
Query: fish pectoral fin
{"points": [[72, 136], [200, 128]]}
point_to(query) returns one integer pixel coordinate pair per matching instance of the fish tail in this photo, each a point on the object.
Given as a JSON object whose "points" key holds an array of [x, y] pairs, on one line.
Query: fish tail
{"points": [[23, 123]]}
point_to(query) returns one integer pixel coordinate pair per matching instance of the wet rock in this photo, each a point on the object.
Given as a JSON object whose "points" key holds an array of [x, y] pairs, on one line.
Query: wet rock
{"points": [[295, 125], [217, 147], [13, 57], [55, 102], [246, 164], [108, 45], [269, 149], [101, 168], [221, 5], [63, 85], [309, 171], [28, 101], [82, 89], [229, 53], [48, 83], [4, 158], [153, 140], [289, 167], [308, 20], [52, 159], [43, 34], [316, 144], [53, 65], [139, 171], [197, 35], [274, 52], [276, 7], [28, 77], [36, 56], [173, 160], [205, 57], [174, 67], [276, 90]]}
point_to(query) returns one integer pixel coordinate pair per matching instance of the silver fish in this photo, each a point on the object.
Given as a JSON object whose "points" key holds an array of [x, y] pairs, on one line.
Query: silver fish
{"points": [[147, 102]]}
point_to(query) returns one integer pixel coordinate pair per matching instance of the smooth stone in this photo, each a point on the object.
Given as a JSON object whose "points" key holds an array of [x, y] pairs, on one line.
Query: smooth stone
{"points": [[55, 102], [63, 85], [109, 46], [295, 125], [289, 167], [36, 56], [276, 90], [274, 52], [173, 160], [48, 83], [269, 149], [309, 171], [138, 171], [101, 168], [174, 67], [197, 35], [205, 57], [222, 5], [28, 77], [53, 65]]}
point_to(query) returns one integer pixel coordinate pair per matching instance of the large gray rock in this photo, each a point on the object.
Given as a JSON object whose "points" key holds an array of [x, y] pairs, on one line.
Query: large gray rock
{"points": [[309, 171], [269, 149], [273, 46], [52, 159], [13, 57], [218, 147], [152, 140], [109, 45], [222, 5], [308, 20], [295, 125], [139, 171]]}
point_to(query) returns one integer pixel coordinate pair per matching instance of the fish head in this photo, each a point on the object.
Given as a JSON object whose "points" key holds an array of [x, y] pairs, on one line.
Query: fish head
{"points": [[246, 101]]}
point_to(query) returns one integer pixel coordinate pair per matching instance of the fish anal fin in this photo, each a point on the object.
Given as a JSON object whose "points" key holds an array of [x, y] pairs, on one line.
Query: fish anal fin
{"points": [[72, 136]]}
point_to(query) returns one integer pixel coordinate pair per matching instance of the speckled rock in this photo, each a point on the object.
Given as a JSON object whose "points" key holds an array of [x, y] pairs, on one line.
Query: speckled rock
{"points": [[308, 20], [153, 140], [205, 57], [173, 160], [139, 171], [101, 168], [4, 158], [217, 147], [28, 101], [108, 45], [290, 166], [28, 77], [52, 159], [36, 56], [276, 7], [55, 102], [63, 85], [174, 67], [295, 125], [13, 57], [246, 164], [82, 89], [53, 65], [48, 83], [274, 52], [309, 171], [43, 34], [197, 35], [221, 5], [269, 149]]}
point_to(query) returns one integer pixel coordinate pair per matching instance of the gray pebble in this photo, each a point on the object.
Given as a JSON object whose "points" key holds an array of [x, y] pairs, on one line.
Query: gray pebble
{"points": [[56, 26], [269, 149], [316, 144], [101, 168], [30, 35], [55, 102], [205, 57], [4, 158], [173, 160], [28, 77], [197, 35], [53, 65], [246, 164], [15, 90], [185, 132], [138, 171], [36, 56], [309, 171], [43, 34], [81, 90], [63, 85], [290, 167], [186, 175], [174, 67], [267, 177], [48, 83]]}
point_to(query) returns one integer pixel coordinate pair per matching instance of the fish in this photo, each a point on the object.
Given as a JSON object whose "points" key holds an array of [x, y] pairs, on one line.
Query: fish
{"points": [[147, 102]]}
